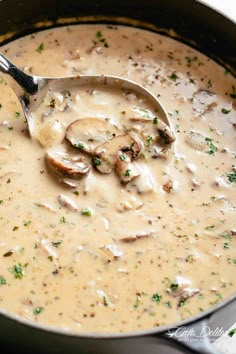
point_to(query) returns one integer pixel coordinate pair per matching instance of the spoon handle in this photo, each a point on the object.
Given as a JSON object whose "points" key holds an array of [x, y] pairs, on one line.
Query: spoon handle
{"points": [[26, 82]]}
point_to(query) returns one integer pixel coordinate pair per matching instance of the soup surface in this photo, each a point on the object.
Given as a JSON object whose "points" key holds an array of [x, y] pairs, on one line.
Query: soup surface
{"points": [[107, 224]]}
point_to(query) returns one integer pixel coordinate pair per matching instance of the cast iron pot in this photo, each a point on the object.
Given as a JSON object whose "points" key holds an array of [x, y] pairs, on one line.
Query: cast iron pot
{"points": [[202, 28]]}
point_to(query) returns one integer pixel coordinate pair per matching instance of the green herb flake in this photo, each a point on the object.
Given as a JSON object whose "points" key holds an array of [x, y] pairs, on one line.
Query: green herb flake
{"points": [[209, 228], [17, 114], [86, 212], [57, 243], [226, 235], [155, 120], [212, 148], [40, 48], [181, 303], [213, 198], [127, 173], [156, 297], [1, 202], [225, 111], [231, 177], [173, 77], [174, 286], [233, 94], [97, 161], [18, 271], [232, 333], [80, 146], [62, 220], [122, 157], [105, 302], [226, 246], [137, 302], [27, 223], [50, 258], [2, 281], [38, 310], [99, 34], [149, 141]]}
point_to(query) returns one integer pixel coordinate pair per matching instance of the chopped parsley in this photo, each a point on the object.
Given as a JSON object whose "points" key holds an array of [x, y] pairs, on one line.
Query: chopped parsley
{"points": [[40, 48], [1, 202], [127, 173], [149, 141], [181, 302], [231, 177], [62, 220], [226, 246], [2, 281], [80, 146], [156, 297], [137, 302], [122, 157], [18, 271], [173, 77], [101, 39], [174, 286], [86, 212], [233, 94], [27, 223], [105, 302], [38, 310], [155, 120], [211, 227], [57, 243], [232, 332], [17, 114], [212, 148], [225, 111], [97, 161]]}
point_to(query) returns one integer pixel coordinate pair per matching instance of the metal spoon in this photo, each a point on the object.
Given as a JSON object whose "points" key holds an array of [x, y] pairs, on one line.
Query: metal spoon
{"points": [[31, 90]]}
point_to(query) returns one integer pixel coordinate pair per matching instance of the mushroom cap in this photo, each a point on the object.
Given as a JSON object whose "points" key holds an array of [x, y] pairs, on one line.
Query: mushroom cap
{"points": [[65, 165], [87, 133], [106, 154]]}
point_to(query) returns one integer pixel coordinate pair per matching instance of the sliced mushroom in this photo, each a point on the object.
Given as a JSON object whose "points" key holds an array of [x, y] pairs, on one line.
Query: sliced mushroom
{"points": [[125, 169], [65, 165], [196, 140], [203, 101], [147, 125], [87, 133], [105, 155]]}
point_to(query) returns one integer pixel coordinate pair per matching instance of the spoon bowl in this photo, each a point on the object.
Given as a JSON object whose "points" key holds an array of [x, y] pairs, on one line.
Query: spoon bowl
{"points": [[31, 90]]}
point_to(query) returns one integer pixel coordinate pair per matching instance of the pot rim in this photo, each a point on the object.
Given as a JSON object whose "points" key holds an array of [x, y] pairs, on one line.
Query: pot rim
{"points": [[124, 335]]}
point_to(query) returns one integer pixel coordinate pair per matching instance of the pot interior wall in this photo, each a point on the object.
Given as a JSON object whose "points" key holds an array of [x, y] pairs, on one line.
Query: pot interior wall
{"points": [[195, 24]]}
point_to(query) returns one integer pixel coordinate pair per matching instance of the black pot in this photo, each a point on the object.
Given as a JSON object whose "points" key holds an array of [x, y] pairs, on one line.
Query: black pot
{"points": [[202, 28]]}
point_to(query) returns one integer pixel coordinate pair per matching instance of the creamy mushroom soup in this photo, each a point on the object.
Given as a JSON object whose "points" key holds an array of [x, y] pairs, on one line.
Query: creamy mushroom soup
{"points": [[110, 220]]}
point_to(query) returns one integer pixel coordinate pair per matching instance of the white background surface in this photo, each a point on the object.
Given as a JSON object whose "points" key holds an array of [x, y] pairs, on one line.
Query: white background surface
{"points": [[226, 6], [226, 345]]}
